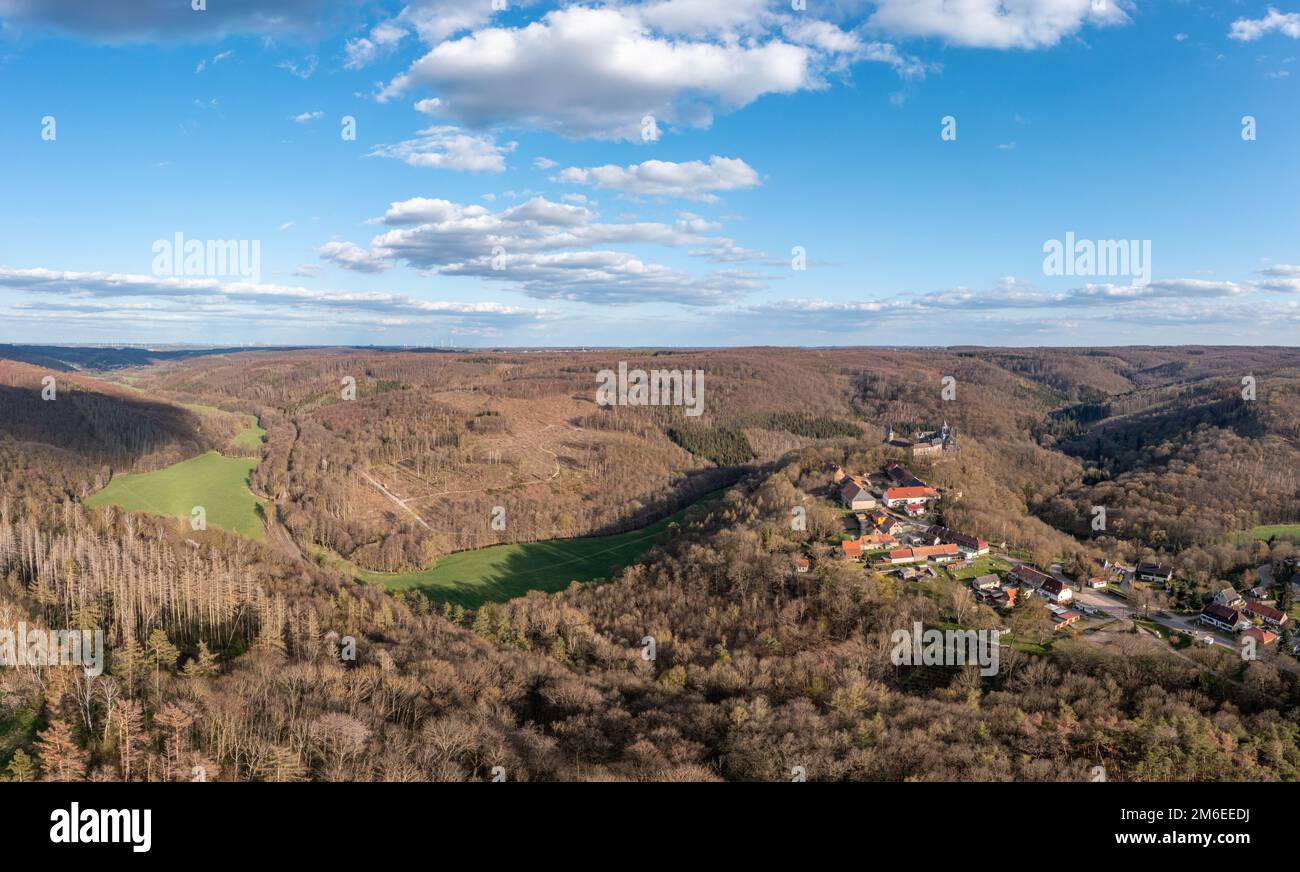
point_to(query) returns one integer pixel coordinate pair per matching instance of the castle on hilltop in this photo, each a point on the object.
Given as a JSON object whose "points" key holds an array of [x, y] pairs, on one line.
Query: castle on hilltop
{"points": [[929, 443]]}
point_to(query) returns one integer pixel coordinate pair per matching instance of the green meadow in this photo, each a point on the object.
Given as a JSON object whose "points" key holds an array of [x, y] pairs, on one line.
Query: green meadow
{"points": [[250, 437], [218, 484], [502, 572], [1263, 534]]}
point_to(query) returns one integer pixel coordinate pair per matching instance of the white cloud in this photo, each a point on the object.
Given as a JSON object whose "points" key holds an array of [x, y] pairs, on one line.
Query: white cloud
{"points": [[108, 295], [301, 70], [1198, 302], [1283, 278], [363, 51], [351, 256], [551, 250], [609, 278], [307, 117], [545, 163], [1249, 30], [435, 20], [728, 19], [693, 180], [449, 148], [596, 72], [999, 24]]}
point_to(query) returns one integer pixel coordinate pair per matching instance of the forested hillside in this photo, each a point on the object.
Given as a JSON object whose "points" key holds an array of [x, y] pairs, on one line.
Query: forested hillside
{"points": [[267, 661]]}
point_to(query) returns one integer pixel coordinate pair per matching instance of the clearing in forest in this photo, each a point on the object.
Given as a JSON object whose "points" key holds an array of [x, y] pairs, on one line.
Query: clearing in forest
{"points": [[502, 572], [219, 484]]}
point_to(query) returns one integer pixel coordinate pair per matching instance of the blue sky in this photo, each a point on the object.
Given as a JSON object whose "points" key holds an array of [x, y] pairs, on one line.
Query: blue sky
{"points": [[501, 190]]}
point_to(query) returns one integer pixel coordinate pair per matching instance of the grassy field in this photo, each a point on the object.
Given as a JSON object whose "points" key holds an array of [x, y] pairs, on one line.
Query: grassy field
{"points": [[250, 437], [982, 566], [503, 572], [1263, 534], [218, 484]]}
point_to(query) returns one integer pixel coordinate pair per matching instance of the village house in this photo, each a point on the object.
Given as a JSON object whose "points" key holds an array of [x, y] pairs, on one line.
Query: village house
{"points": [[1096, 582], [801, 565], [1229, 598], [937, 553], [1054, 591], [1222, 617], [881, 521], [1029, 576], [855, 496], [1062, 618], [986, 582], [855, 548], [972, 546], [900, 477], [1260, 635], [1155, 573], [909, 496], [1269, 614]]}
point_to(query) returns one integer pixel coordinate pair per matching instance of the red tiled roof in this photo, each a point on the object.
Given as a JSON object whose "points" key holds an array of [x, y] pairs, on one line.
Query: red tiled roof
{"points": [[935, 550], [1266, 612], [911, 493]]}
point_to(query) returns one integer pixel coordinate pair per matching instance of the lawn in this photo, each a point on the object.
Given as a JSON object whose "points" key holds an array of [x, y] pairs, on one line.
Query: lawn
{"points": [[502, 572], [218, 484], [982, 566]]}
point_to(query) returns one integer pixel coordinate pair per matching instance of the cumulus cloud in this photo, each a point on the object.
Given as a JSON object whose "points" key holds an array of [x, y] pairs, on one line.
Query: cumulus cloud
{"points": [[552, 250], [1282, 278], [449, 148], [597, 72], [1251, 29], [694, 180], [349, 255], [726, 19], [998, 24], [307, 117], [610, 278]]}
